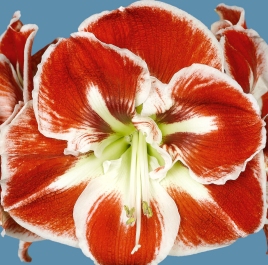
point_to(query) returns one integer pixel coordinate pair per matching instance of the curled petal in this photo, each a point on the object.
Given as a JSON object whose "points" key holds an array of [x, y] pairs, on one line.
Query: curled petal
{"points": [[100, 219], [218, 25], [234, 14], [214, 216], [16, 44], [159, 99], [165, 37], [147, 126], [86, 91], [246, 59], [10, 89], [13, 229], [264, 109], [23, 251], [265, 229], [210, 117], [40, 185]]}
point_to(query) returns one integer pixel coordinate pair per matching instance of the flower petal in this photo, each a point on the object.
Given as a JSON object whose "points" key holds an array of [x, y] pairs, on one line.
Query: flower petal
{"points": [[210, 117], [167, 38], [148, 127], [23, 251], [10, 89], [264, 103], [37, 57], [159, 99], [101, 220], [234, 14], [11, 228], [218, 25], [40, 185], [214, 216], [16, 44], [246, 59], [86, 91], [265, 229]]}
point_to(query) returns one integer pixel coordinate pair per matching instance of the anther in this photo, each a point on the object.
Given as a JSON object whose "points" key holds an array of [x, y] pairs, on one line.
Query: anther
{"points": [[147, 210], [131, 221]]}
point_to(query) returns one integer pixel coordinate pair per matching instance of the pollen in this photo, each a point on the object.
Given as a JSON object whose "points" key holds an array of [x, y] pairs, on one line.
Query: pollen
{"points": [[147, 210]]}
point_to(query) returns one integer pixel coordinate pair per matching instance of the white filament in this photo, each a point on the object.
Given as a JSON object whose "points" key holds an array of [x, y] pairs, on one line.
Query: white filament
{"points": [[139, 180], [135, 141]]}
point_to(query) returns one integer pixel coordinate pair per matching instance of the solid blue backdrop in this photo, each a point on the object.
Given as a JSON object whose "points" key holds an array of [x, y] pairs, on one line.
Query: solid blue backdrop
{"points": [[58, 18]]}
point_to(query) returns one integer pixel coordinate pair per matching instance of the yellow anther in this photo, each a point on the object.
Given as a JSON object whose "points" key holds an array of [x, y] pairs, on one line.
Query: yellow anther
{"points": [[150, 212], [145, 207], [126, 209], [147, 210], [131, 221], [131, 212]]}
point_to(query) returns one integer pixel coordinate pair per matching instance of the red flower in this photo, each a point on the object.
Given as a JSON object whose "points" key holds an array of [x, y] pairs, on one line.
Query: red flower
{"points": [[16, 85], [136, 145], [246, 59]]}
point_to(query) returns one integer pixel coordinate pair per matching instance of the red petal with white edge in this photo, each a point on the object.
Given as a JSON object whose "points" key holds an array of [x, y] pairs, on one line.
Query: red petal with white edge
{"points": [[214, 216], [148, 127], [16, 44], [100, 221], [264, 109], [159, 99], [167, 38], [37, 57], [23, 251], [11, 228], [246, 59], [86, 91], [213, 127], [218, 25], [234, 14], [10, 90], [40, 185]]}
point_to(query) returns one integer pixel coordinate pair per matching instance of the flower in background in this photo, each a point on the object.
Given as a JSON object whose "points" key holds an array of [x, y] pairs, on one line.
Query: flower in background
{"points": [[136, 145], [16, 85], [246, 59], [17, 68]]}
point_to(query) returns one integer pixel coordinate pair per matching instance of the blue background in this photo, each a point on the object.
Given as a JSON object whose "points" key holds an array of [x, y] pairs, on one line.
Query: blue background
{"points": [[58, 18]]}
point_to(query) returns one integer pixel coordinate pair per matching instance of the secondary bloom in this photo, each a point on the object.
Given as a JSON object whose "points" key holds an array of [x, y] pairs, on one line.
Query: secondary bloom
{"points": [[131, 119], [246, 59], [16, 85], [17, 68]]}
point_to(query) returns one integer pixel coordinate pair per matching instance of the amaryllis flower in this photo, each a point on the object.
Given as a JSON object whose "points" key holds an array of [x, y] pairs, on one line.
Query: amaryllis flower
{"points": [[136, 144], [17, 68], [246, 58]]}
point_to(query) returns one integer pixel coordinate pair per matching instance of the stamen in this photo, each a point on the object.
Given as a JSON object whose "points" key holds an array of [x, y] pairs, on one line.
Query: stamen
{"points": [[126, 209], [139, 185], [138, 194], [132, 197], [131, 212], [131, 221], [145, 207]]}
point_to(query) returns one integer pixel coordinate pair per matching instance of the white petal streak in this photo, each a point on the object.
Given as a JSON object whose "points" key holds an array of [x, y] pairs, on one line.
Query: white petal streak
{"points": [[97, 103], [197, 125]]}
